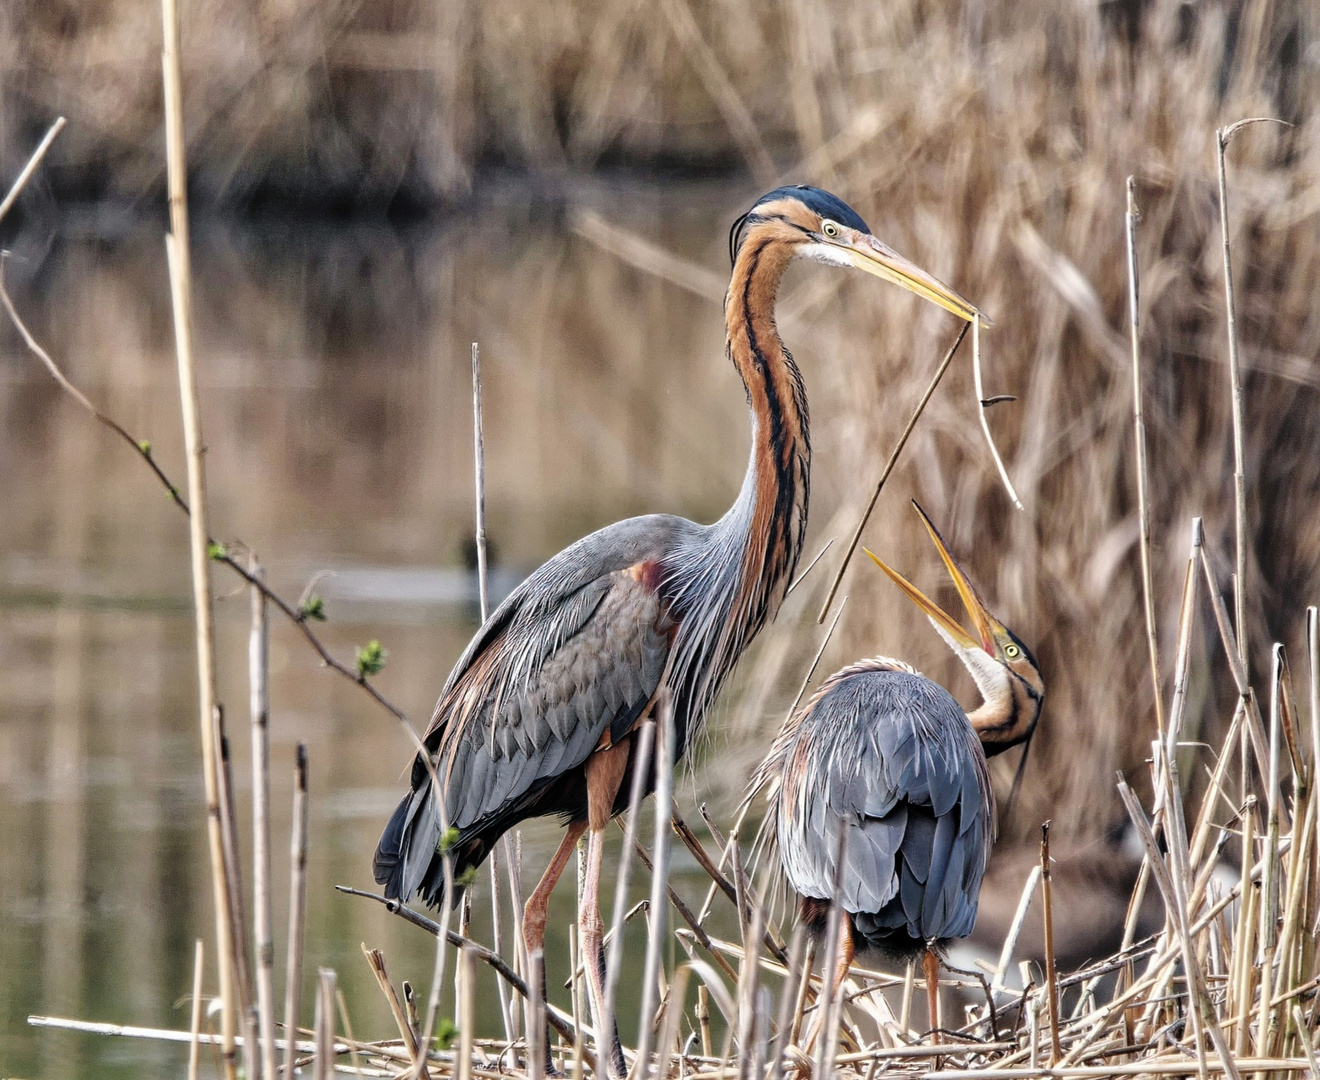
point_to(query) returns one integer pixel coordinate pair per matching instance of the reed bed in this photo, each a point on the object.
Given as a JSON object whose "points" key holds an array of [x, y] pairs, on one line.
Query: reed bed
{"points": [[1032, 226]]}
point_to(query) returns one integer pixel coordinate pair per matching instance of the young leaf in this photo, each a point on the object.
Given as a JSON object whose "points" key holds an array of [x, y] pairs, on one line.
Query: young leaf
{"points": [[371, 658]]}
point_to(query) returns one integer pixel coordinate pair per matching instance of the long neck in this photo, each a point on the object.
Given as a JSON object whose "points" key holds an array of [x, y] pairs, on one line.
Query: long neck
{"points": [[773, 500], [731, 582], [1008, 714]]}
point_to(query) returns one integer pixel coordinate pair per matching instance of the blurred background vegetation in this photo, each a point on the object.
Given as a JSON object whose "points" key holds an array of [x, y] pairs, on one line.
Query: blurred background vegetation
{"points": [[377, 184]]}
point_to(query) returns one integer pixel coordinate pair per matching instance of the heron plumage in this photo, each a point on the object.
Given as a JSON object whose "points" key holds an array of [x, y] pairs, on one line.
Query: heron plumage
{"points": [[538, 715], [887, 759]]}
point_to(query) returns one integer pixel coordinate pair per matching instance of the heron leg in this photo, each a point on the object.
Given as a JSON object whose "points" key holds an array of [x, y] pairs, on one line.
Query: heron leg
{"points": [[534, 911], [931, 967]]}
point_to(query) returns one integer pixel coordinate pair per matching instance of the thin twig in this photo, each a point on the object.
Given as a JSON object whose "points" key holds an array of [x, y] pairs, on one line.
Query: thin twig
{"points": [[884, 473], [982, 406], [810, 567], [1051, 971], [33, 163]]}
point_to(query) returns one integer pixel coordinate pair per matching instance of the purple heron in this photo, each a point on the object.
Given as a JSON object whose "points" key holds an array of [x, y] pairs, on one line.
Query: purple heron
{"points": [[883, 766], [539, 715]]}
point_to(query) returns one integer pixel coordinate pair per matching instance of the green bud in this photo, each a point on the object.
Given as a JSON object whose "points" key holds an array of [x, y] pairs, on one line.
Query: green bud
{"points": [[371, 658]]}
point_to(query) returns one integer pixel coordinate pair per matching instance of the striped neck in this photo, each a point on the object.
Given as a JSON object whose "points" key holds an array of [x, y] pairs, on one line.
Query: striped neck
{"points": [[776, 486], [731, 581]]}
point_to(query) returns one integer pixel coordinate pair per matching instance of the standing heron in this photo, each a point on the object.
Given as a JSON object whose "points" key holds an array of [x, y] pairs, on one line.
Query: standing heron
{"points": [[540, 713], [883, 768]]}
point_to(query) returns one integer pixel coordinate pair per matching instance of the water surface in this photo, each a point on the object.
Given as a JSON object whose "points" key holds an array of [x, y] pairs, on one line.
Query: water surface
{"points": [[335, 382]]}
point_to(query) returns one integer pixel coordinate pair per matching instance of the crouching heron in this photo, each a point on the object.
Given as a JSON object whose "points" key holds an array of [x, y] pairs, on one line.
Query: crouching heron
{"points": [[882, 769]]}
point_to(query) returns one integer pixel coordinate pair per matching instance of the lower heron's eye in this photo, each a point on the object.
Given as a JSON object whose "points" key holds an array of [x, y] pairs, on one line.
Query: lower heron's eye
{"points": [[1012, 652], [830, 229]]}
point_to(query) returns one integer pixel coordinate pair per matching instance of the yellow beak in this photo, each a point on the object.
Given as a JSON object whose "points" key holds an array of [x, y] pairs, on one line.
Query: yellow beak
{"points": [[867, 253], [984, 622]]}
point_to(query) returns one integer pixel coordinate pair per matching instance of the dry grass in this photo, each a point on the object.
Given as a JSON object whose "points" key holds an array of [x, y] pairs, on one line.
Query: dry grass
{"points": [[993, 146], [1000, 165]]}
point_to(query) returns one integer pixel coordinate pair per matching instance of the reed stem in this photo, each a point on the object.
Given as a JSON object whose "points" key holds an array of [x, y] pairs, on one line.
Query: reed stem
{"points": [[259, 687], [177, 250], [297, 911], [1139, 426]]}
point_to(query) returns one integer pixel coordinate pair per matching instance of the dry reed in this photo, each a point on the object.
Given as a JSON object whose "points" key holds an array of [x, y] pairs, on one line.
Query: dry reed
{"points": [[1200, 978]]}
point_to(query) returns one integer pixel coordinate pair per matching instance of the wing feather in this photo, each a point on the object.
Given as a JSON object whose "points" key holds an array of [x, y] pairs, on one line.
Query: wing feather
{"points": [[546, 680], [887, 756]]}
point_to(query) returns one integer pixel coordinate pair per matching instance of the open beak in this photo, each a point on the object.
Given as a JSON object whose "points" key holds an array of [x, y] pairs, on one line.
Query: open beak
{"points": [[981, 618], [867, 253]]}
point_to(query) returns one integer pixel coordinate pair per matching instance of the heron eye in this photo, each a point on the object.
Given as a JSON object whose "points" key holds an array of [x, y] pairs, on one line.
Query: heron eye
{"points": [[1012, 652], [830, 229]]}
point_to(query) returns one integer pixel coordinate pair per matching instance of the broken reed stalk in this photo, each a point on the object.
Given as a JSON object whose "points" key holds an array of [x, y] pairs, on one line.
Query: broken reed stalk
{"points": [[536, 1015], [323, 1062], [1222, 135], [376, 961], [497, 940], [479, 453], [194, 1046], [856, 536], [259, 701], [614, 960], [1199, 1004], [1139, 423], [667, 750], [467, 1018], [1051, 970], [237, 909], [297, 910], [177, 250], [1313, 683]]}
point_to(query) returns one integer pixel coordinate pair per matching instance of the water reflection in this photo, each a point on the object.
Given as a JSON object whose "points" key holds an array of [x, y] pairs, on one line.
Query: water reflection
{"points": [[335, 385]]}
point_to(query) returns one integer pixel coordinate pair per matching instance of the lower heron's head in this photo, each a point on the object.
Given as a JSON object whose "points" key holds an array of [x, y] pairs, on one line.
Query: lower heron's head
{"points": [[814, 224], [1003, 667]]}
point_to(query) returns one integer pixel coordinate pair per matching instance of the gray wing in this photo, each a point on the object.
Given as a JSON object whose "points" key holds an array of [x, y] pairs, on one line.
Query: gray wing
{"points": [[887, 758], [564, 666]]}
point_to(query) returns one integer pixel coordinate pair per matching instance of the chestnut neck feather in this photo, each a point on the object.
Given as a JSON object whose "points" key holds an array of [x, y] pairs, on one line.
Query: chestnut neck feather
{"points": [[730, 582]]}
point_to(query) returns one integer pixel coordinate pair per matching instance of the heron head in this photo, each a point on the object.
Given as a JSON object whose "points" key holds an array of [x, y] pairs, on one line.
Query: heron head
{"points": [[996, 657], [821, 226]]}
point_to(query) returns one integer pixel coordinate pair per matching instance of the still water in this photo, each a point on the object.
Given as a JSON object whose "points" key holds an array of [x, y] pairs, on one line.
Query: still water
{"points": [[335, 376]]}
